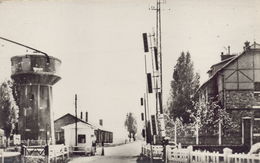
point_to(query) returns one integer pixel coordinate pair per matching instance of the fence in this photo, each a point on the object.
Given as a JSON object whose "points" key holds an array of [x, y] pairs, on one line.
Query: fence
{"points": [[34, 142], [157, 151], [187, 155], [242, 158], [177, 155], [45, 153], [28, 142], [6, 156], [145, 150]]}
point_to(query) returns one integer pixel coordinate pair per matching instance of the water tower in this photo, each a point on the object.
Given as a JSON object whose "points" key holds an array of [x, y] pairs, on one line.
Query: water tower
{"points": [[34, 76]]}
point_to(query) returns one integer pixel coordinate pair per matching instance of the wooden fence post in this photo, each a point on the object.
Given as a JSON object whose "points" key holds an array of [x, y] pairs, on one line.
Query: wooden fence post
{"points": [[68, 152], [2, 155], [197, 133], [47, 153], [175, 132], [63, 153], [166, 153], [190, 149], [219, 133], [179, 146], [23, 150], [226, 152]]}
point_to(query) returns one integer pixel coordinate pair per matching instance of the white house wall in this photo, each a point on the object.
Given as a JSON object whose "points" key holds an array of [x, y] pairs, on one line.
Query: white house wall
{"points": [[69, 134]]}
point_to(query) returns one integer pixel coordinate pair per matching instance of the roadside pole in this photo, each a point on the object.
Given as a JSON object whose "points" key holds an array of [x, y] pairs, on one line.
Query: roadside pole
{"points": [[102, 152], [76, 120], [2, 155]]}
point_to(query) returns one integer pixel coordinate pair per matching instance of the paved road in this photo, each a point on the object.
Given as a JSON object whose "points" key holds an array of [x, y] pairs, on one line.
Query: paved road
{"points": [[127, 153]]}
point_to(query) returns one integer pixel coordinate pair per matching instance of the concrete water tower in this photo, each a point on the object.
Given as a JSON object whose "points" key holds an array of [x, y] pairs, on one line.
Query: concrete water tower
{"points": [[34, 76]]}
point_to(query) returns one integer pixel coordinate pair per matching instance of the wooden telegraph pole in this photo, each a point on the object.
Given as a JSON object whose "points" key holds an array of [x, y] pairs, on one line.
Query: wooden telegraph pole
{"points": [[76, 120]]}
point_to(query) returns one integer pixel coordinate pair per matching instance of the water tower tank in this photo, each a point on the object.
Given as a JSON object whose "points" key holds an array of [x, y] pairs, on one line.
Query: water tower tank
{"points": [[34, 75]]}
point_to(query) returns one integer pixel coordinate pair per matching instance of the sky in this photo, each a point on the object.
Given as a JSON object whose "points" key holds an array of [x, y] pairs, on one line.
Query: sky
{"points": [[100, 45]]}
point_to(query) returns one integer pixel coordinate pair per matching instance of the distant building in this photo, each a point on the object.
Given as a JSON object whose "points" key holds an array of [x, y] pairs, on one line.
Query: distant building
{"points": [[101, 134], [235, 81]]}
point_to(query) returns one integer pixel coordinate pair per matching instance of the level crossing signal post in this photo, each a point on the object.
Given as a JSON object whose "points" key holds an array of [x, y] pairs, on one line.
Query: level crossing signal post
{"points": [[156, 55]]}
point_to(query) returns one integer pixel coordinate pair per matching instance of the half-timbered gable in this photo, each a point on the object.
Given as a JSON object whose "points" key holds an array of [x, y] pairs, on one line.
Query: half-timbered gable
{"points": [[236, 82], [239, 80]]}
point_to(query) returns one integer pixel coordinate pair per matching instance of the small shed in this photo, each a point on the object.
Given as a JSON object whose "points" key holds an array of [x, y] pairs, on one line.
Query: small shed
{"points": [[85, 139], [101, 134]]}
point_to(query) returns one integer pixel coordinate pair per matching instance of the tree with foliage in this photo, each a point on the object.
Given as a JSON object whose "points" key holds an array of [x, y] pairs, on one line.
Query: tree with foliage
{"points": [[183, 88], [8, 108], [209, 115], [131, 125]]}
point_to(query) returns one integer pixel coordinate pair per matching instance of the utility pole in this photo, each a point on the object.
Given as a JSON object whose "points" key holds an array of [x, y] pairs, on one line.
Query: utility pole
{"points": [[159, 38], [160, 95], [158, 50], [76, 120]]}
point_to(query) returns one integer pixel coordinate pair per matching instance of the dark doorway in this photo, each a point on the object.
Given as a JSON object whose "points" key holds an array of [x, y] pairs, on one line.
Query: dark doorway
{"points": [[247, 132]]}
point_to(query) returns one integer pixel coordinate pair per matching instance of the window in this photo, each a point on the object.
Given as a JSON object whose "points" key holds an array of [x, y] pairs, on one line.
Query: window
{"points": [[257, 95], [58, 136], [81, 138], [44, 97], [257, 86]]}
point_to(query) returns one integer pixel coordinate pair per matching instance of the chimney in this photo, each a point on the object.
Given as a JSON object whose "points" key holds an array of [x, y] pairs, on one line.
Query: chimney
{"points": [[101, 122], [86, 117], [81, 115], [247, 45], [226, 56]]}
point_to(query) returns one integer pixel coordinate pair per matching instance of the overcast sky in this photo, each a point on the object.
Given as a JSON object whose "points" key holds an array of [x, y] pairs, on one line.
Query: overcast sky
{"points": [[100, 45]]}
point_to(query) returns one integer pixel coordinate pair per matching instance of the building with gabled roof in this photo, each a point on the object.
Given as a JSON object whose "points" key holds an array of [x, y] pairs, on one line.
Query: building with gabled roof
{"points": [[235, 81], [102, 135], [65, 120]]}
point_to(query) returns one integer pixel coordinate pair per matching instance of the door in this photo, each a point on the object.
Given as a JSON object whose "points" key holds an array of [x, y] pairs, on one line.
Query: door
{"points": [[247, 132]]}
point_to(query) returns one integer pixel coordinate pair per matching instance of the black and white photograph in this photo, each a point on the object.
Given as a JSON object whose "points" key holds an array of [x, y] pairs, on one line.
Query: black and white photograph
{"points": [[129, 81]]}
